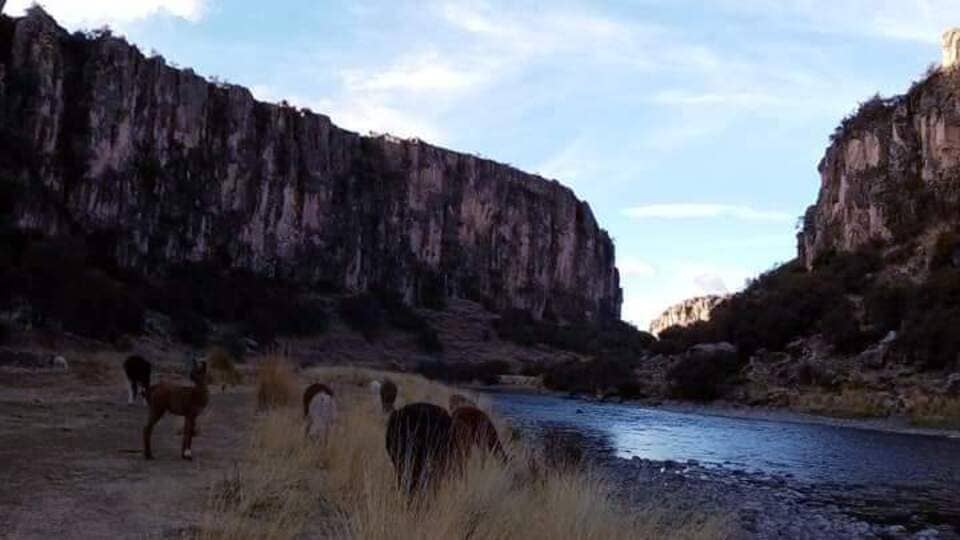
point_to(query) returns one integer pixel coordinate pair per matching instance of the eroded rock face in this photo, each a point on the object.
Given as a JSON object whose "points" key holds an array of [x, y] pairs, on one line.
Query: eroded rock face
{"points": [[891, 174], [170, 168], [686, 313], [951, 47]]}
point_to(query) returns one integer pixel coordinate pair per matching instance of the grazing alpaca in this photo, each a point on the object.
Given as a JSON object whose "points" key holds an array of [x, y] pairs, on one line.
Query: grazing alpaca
{"points": [[418, 441], [459, 400], [320, 410], [388, 395], [185, 401], [472, 428], [311, 391], [138, 375]]}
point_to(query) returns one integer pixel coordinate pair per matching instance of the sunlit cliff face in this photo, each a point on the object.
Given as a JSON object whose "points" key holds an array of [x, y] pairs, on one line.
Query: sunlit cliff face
{"points": [[951, 47]]}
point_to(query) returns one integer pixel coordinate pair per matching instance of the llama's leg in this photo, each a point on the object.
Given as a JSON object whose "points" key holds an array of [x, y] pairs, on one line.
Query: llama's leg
{"points": [[148, 432], [132, 393], [188, 429]]}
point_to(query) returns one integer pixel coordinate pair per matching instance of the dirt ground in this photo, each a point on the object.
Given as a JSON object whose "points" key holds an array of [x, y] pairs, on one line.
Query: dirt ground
{"points": [[71, 463]]}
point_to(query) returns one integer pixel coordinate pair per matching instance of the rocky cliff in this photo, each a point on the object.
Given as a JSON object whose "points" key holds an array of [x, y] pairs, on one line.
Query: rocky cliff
{"points": [[892, 173], [686, 313], [169, 167]]}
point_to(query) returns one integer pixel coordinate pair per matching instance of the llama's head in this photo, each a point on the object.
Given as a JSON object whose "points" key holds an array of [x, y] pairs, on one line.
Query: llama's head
{"points": [[198, 373]]}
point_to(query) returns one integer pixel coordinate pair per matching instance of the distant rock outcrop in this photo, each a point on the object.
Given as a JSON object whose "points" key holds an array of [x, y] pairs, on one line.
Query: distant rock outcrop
{"points": [[166, 167], [686, 313]]}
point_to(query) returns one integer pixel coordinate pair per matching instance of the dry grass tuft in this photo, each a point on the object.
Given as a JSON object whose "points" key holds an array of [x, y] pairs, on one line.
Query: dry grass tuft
{"points": [[276, 383], [848, 403], [291, 488], [941, 412], [222, 365]]}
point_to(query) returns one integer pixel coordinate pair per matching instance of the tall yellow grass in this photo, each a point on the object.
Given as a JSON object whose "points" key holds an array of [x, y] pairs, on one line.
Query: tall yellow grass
{"points": [[276, 383], [346, 487], [224, 369]]}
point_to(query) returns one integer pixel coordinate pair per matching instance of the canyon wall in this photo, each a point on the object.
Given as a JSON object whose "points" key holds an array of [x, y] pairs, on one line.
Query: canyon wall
{"points": [[891, 175], [167, 167]]}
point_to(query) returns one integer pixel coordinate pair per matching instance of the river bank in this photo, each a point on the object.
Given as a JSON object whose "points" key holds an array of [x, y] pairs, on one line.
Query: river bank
{"points": [[791, 478], [888, 424]]}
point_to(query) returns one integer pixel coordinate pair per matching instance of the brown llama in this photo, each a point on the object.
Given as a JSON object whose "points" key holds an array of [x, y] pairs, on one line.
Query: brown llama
{"points": [[418, 442], [388, 395], [459, 400], [185, 401], [471, 428]]}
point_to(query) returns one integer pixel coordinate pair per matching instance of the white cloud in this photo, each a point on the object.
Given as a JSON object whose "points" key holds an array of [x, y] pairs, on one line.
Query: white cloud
{"points": [[913, 20], [359, 113], [711, 283], [634, 266], [90, 13], [702, 210], [427, 72], [644, 300]]}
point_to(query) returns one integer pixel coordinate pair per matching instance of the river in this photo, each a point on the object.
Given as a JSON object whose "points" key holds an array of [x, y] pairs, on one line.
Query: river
{"points": [[894, 479]]}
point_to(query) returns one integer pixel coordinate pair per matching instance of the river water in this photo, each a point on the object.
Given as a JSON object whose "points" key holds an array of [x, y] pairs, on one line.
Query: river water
{"points": [[879, 476]]}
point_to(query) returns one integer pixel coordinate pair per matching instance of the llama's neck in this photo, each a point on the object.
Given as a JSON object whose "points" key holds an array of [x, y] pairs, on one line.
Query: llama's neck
{"points": [[201, 395]]}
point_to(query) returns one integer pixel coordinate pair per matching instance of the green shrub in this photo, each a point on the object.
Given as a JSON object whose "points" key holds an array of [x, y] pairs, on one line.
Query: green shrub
{"points": [[701, 377], [363, 314], [429, 341], [839, 326], [944, 250], [464, 372], [594, 376]]}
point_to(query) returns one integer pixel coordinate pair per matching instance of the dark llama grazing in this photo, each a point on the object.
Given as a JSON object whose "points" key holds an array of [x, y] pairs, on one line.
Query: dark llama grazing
{"points": [[472, 428], [418, 441], [388, 395], [311, 391], [138, 375], [185, 401]]}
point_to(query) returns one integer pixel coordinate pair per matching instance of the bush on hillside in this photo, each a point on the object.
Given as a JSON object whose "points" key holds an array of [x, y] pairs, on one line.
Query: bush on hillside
{"points": [[464, 372], [590, 377], [363, 314], [701, 377]]}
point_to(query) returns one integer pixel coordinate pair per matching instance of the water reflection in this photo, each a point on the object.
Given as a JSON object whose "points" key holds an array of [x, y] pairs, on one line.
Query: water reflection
{"points": [[810, 452]]}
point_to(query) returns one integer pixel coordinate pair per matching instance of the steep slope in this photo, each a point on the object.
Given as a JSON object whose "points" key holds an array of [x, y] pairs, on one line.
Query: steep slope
{"points": [[166, 167]]}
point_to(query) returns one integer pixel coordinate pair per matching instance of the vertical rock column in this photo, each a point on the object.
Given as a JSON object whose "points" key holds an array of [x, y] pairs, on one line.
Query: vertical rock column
{"points": [[951, 47]]}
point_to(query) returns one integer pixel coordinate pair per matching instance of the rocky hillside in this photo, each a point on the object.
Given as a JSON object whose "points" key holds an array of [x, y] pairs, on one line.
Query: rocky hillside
{"points": [[161, 167], [891, 176], [686, 313], [864, 321]]}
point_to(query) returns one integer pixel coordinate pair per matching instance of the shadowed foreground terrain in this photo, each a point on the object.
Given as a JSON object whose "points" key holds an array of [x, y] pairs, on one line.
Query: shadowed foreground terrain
{"points": [[71, 465]]}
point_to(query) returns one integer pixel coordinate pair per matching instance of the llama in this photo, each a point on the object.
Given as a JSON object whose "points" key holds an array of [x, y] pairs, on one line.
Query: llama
{"points": [[320, 410], [459, 400], [418, 442], [60, 363], [472, 428], [185, 401], [311, 391], [138, 376], [388, 395]]}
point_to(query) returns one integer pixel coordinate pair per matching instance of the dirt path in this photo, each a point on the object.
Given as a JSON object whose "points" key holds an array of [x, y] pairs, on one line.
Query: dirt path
{"points": [[70, 462]]}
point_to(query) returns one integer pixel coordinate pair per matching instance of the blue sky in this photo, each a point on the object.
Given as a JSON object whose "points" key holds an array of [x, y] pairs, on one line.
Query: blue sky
{"points": [[693, 128]]}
